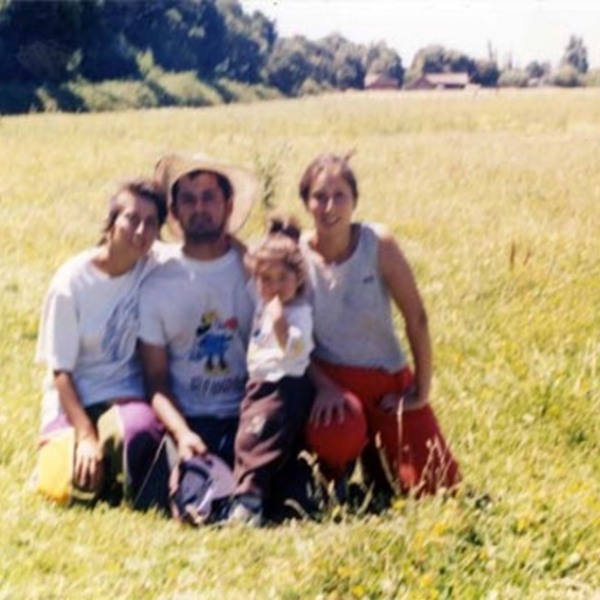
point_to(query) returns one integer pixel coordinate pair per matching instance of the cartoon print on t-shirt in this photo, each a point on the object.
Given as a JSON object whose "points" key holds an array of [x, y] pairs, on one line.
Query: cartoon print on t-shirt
{"points": [[213, 337]]}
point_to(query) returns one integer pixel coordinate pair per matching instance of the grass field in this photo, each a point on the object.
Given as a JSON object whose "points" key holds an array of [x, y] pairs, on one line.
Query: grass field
{"points": [[495, 199]]}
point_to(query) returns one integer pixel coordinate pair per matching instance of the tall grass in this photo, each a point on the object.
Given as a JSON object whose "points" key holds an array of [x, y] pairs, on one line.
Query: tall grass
{"points": [[494, 197]]}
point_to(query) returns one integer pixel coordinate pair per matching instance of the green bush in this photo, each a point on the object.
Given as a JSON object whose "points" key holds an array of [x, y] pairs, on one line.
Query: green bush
{"points": [[158, 89], [182, 89], [513, 78], [310, 87], [18, 98], [592, 78], [113, 95], [235, 91], [567, 76]]}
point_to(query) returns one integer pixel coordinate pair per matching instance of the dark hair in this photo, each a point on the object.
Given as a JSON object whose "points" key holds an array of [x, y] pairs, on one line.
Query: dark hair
{"points": [[146, 189], [280, 244], [222, 181], [284, 224], [320, 164]]}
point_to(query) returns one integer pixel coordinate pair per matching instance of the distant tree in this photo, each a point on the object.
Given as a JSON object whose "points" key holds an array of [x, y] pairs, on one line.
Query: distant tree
{"points": [[592, 78], [430, 59], [297, 65], [347, 67], [517, 78], [106, 50], [567, 76], [249, 41], [485, 72], [437, 59], [39, 40], [183, 35], [576, 55], [537, 70], [289, 65], [380, 58]]}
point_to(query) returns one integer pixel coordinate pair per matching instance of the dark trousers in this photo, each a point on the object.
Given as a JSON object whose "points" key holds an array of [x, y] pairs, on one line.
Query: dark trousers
{"points": [[272, 418], [217, 434]]}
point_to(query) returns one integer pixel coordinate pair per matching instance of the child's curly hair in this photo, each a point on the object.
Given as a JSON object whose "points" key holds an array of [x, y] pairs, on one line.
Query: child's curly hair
{"points": [[280, 244]]}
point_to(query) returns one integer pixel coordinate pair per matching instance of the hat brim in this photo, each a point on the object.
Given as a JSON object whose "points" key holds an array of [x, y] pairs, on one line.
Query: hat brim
{"points": [[173, 167]]}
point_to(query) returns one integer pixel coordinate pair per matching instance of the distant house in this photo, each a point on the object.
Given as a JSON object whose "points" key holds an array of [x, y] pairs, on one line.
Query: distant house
{"points": [[380, 81], [440, 81]]}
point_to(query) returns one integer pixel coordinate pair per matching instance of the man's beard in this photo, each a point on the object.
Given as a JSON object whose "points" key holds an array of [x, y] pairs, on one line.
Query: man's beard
{"points": [[203, 231]]}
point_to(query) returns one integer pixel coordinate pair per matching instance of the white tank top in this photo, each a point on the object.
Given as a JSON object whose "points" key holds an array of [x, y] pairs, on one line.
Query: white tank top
{"points": [[353, 324]]}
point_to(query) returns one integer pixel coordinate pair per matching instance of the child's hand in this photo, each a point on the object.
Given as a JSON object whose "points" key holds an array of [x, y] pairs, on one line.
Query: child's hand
{"points": [[274, 309]]}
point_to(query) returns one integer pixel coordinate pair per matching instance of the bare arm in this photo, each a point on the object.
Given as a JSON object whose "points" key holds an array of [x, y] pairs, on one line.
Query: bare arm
{"points": [[156, 373], [88, 469], [400, 281]]}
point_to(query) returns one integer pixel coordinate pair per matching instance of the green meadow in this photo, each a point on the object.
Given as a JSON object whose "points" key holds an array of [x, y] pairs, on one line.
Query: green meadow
{"points": [[495, 199]]}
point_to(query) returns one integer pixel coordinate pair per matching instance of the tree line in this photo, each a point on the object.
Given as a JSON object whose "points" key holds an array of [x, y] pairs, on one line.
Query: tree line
{"points": [[58, 41], [98, 40]]}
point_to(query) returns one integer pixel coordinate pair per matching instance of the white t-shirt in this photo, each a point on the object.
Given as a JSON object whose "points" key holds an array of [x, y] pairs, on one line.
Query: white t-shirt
{"points": [[267, 360], [201, 311], [89, 328]]}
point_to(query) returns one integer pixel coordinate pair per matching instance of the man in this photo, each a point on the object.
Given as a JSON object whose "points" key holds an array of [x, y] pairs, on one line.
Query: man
{"points": [[196, 309], [195, 322]]}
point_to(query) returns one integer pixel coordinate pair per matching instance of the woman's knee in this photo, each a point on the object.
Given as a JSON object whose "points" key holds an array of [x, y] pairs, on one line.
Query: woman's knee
{"points": [[427, 454]]}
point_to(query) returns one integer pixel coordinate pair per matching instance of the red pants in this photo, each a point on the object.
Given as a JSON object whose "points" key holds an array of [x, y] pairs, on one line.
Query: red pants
{"points": [[422, 464]]}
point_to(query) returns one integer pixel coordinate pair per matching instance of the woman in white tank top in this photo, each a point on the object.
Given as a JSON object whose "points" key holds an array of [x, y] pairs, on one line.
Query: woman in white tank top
{"points": [[366, 387]]}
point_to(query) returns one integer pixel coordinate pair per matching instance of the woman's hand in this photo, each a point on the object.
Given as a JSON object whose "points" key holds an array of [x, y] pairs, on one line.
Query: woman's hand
{"points": [[391, 403], [190, 444], [89, 466], [395, 402], [328, 407]]}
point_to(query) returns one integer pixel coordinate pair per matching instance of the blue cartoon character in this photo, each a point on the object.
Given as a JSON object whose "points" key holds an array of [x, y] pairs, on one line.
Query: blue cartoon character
{"points": [[213, 337]]}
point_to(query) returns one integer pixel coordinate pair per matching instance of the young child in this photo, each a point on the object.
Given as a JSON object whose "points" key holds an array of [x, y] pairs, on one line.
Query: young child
{"points": [[279, 393]]}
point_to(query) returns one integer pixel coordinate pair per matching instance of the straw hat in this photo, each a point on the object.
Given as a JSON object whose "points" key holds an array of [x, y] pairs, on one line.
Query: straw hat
{"points": [[172, 167]]}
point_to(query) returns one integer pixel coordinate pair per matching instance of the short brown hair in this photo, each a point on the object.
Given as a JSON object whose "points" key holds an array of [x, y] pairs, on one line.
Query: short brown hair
{"points": [[320, 164], [141, 187]]}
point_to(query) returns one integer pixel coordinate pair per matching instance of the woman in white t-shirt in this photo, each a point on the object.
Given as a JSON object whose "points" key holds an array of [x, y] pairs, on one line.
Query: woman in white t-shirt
{"points": [[97, 429]]}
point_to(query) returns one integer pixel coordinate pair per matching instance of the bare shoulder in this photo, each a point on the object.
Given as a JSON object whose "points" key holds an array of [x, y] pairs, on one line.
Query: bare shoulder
{"points": [[390, 254], [398, 275]]}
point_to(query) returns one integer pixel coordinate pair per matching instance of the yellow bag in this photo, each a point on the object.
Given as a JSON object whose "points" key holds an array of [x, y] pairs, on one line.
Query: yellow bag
{"points": [[56, 459]]}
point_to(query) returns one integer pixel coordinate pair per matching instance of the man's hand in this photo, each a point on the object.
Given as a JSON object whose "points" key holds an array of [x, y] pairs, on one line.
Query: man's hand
{"points": [[190, 444]]}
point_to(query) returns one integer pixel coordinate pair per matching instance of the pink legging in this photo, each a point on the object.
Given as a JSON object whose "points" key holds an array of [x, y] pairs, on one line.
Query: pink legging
{"points": [[424, 462]]}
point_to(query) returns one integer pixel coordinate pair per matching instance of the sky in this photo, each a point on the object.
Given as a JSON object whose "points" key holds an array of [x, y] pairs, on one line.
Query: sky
{"points": [[523, 30]]}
